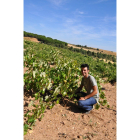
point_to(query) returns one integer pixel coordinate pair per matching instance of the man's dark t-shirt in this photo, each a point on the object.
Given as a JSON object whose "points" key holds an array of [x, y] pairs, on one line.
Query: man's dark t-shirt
{"points": [[88, 83]]}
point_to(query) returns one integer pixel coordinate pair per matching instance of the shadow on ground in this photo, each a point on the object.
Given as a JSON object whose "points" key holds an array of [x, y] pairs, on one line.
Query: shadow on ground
{"points": [[27, 93], [73, 107]]}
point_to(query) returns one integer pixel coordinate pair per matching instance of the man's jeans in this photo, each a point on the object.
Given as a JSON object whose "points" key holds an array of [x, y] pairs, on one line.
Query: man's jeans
{"points": [[85, 104]]}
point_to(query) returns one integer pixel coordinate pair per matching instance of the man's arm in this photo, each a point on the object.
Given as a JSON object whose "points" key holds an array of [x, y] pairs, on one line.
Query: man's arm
{"points": [[91, 94]]}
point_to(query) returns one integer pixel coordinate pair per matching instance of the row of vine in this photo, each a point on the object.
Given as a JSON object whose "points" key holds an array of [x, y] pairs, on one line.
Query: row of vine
{"points": [[51, 76]]}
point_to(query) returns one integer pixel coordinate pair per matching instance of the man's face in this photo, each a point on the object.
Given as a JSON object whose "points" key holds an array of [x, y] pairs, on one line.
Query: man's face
{"points": [[84, 71]]}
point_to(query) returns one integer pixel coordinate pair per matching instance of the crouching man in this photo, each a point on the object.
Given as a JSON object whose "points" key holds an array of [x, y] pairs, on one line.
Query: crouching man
{"points": [[87, 100]]}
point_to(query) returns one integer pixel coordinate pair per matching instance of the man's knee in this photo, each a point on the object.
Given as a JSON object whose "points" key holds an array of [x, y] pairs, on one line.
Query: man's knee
{"points": [[80, 103]]}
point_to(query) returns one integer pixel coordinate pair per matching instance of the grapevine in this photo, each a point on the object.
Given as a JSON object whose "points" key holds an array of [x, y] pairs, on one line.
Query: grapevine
{"points": [[53, 74]]}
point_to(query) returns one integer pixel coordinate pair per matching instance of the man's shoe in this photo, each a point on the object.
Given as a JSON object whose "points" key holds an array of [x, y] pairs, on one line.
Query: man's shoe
{"points": [[87, 112]]}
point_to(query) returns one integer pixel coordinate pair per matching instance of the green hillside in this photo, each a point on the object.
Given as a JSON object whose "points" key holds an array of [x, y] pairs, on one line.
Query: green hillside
{"points": [[80, 49]]}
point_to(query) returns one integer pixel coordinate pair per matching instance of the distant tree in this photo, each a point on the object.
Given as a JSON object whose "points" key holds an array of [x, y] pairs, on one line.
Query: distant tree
{"points": [[71, 48], [93, 53], [56, 45], [62, 45], [113, 59], [44, 39], [98, 55], [89, 53]]}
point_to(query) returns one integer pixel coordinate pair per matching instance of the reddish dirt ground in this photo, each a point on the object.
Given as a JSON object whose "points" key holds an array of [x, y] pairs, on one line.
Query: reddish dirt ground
{"points": [[67, 122]]}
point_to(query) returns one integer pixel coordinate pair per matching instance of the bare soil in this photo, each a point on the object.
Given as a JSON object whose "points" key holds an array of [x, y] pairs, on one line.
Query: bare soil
{"points": [[65, 121]]}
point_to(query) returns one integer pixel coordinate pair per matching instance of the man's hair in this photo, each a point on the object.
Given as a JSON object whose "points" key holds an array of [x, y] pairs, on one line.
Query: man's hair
{"points": [[85, 65]]}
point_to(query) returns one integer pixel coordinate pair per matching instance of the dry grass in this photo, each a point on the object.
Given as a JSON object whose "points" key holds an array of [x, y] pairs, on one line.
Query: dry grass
{"points": [[94, 49], [31, 39]]}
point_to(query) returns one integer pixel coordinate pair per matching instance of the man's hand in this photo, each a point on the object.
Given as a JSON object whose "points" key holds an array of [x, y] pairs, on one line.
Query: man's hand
{"points": [[91, 94], [82, 98]]}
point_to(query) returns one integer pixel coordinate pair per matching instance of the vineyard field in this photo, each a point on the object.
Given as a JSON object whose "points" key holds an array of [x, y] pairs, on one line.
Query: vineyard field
{"points": [[52, 76]]}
